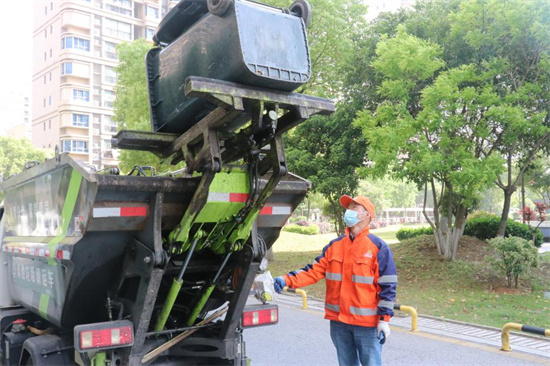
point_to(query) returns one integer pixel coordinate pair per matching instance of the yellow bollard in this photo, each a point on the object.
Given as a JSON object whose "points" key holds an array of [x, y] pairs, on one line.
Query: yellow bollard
{"points": [[522, 328], [301, 292], [414, 316]]}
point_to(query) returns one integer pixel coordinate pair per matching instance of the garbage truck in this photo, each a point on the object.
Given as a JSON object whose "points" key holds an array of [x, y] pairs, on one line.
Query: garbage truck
{"points": [[103, 268]]}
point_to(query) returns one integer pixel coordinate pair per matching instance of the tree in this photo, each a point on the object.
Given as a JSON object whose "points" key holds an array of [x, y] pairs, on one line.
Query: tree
{"points": [[329, 160], [514, 257], [511, 39], [386, 192], [538, 179], [15, 153], [451, 99], [132, 102]]}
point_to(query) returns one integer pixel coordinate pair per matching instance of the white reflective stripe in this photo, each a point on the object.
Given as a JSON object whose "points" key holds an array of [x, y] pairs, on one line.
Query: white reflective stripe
{"points": [[333, 276], [218, 197], [386, 304], [362, 279], [332, 307], [388, 279], [362, 311], [281, 210], [106, 212]]}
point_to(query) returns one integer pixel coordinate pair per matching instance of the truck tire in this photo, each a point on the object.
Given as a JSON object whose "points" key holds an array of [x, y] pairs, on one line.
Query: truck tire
{"points": [[46, 350], [302, 9]]}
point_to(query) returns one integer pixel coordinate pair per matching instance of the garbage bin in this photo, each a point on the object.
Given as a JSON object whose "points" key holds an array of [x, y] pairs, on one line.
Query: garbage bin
{"points": [[247, 43]]}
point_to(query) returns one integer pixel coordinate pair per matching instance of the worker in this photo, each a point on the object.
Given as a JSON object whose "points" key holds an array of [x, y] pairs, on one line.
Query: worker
{"points": [[361, 282]]}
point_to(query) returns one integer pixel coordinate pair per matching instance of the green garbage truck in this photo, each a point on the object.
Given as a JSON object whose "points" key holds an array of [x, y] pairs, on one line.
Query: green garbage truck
{"points": [[147, 268]]}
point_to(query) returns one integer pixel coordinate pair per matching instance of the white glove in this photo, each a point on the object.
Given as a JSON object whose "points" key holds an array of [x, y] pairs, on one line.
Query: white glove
{"points": [[383, 327]]}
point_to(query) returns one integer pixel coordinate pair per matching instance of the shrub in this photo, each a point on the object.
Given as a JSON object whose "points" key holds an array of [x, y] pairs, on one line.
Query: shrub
{"points": [[302, 223], [486, 227], [294, 219], [514, 257], [305, 230], [404, 233]]}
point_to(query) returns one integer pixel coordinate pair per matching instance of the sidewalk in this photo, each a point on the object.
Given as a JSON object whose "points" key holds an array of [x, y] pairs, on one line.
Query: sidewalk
{"points": [[519, 342]]}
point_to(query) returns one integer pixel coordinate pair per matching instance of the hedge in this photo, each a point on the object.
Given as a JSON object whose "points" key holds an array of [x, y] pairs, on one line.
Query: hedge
{"points": [[312, 229], [483, 227]]}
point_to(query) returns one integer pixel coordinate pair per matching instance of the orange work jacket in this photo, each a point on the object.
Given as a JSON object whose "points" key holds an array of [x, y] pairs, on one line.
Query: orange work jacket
{"points": [[360, 276]]}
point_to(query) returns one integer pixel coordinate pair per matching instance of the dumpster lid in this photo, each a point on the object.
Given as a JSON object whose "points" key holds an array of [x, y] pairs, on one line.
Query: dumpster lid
{"points": [[179, 19]]}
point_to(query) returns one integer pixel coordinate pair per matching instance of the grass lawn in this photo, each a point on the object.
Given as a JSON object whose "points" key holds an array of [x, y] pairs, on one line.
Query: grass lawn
{"points": [[466, 290]]}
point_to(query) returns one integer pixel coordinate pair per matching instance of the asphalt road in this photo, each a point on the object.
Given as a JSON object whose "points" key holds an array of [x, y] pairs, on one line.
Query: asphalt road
{"points": [[302, 338]]}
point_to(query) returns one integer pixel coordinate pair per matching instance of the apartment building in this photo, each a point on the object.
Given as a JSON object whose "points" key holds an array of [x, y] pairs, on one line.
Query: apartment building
{"points": [[74, 76]]}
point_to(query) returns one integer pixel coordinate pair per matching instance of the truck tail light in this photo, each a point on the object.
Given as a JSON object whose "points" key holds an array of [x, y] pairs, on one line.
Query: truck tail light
{"points": [[256, 315], [98, 336]]}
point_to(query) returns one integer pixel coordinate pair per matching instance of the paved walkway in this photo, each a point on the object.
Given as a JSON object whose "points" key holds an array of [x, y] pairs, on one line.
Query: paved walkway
{"points": [[522, 342]]}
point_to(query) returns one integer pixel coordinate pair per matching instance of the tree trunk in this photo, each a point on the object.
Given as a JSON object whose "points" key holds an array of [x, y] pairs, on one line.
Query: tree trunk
{"points": [[308, 209], [336, 210], [505, 210]]}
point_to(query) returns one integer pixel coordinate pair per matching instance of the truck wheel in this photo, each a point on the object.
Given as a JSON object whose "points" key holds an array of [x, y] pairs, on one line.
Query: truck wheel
{"points": [[302, 9], [218, 7]]}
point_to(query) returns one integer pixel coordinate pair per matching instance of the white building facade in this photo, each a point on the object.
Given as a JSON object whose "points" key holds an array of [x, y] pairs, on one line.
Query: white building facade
{"points": [[74, 74]]}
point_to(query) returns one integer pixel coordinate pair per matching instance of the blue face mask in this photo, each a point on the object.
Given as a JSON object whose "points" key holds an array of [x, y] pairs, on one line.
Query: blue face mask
{"points": [[351, 218]]}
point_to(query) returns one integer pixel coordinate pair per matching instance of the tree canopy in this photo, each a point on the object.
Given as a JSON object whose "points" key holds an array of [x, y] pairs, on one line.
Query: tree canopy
{"points": [[458, 104], [132, 102]]}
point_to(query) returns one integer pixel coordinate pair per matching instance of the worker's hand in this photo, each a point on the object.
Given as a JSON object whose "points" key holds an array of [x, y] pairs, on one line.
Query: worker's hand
{"points": [[279, 284], [383, 331]]}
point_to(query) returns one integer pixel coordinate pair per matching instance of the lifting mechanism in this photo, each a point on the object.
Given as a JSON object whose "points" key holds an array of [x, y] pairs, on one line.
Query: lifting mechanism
{"points": [[230, 148]]}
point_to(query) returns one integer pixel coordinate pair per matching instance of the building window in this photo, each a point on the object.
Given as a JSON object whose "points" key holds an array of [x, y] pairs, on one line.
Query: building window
{"points": [[83, 95], [151, 12], [75, 146], [109, 126], [81, 120], [119, 9], [45, 33], [50, 100], [44, 79], [75, 43], [44, 126], [45, 56], [118, 29], [50, 76], [51, 5], [45, 10], [66, 68], [110, 75], [149, 33], [50, 124], [51, 29], [110, 50], [108, 99], [44, 102], [51, 52]]}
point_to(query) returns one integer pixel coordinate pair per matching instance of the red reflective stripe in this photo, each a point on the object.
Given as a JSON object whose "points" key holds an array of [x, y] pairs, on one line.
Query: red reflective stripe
{"points": [[59, 254], [133, 211], [238, 197], [266, 211]]}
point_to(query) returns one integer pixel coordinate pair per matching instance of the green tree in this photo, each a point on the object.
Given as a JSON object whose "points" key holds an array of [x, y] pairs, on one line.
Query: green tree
{"points": [[329, 159], [538, 180], [15, 153], [510, 43], [450, 110], [514, 257], [132, 102]]}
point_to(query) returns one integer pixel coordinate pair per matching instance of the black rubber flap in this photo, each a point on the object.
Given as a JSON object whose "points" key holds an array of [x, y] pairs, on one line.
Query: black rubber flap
{"points": [[179, 19]]}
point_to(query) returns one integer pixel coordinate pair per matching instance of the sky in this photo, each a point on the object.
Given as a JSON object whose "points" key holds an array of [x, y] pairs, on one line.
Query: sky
{"points": [[16, 53]]}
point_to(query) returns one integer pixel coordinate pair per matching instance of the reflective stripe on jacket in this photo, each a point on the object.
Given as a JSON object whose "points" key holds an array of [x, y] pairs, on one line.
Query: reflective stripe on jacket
{"points": [[360, 276]]}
